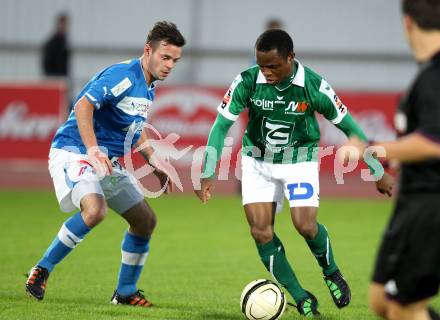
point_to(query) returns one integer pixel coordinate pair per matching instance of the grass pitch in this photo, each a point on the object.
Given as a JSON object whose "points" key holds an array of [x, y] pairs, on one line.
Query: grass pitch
{"points": [[201, 257]]}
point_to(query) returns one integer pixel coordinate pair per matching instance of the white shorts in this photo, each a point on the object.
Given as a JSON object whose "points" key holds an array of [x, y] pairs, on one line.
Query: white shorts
{"points": [[269, 182], [73, 178]]}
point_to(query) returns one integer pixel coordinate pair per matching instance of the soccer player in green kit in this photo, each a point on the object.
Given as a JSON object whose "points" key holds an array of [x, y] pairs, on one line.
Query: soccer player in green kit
{"points": [[280, 158]]}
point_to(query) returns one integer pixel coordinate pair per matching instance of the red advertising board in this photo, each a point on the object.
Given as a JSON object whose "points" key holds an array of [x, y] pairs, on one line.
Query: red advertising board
{"points": [[29, 117], [190, 111], [30, 114], [373, 111]]}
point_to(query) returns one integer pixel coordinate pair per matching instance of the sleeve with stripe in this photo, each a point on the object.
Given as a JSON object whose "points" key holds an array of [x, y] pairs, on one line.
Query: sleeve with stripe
{"points": [[234, 100]]}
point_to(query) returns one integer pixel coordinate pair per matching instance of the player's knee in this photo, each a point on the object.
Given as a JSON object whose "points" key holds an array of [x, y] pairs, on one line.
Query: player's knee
{"points": [[393, 315], [394, 312], [378, 306], [307, 230], [150, 224], [261, 235], [94, 214], [146, 226]]}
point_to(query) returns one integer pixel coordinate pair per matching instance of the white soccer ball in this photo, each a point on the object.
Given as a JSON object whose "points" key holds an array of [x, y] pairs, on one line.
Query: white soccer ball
{"points": [[263, 300]]}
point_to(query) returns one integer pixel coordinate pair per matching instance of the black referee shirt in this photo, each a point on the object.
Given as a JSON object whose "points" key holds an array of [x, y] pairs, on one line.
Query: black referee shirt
{"points": [[420, 112]]}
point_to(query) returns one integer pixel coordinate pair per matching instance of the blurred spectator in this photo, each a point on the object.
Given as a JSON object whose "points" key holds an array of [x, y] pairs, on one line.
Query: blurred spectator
{"points": [[271, 23], [56, 51], [274, 23], [55, 59]]}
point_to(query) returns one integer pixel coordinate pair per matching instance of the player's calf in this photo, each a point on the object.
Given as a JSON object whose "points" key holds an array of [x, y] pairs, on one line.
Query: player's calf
{"points": [[36, 282]]}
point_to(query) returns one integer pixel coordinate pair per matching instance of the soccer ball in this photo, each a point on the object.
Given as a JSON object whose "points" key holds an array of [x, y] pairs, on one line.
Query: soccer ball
{"points": [[263, 300]]}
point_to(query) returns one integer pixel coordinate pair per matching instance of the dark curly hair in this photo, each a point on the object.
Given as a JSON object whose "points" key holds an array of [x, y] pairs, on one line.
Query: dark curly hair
{"points": [[275, 39]]}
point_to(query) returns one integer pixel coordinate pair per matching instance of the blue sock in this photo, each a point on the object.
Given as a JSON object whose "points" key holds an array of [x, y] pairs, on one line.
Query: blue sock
{"points": [[71, 233], [134, 253]]}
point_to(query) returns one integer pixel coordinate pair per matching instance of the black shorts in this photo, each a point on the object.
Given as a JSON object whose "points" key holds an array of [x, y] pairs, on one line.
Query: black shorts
{"points": [[408, 261]]}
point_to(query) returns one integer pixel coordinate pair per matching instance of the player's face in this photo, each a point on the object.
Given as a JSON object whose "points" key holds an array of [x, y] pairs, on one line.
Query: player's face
{"points": [[162, 58], [274, 68], [411, 33]]}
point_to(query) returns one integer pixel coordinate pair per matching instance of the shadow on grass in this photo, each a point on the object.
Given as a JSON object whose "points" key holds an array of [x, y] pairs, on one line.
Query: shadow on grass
{"points": [[292, 312]]}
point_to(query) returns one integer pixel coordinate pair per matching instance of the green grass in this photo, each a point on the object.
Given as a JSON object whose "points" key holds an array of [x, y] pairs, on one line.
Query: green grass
{"points": [[201, 257]]}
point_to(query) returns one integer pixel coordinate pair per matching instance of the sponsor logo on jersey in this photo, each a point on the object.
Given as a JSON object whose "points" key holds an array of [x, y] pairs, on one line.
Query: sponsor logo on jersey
{"points": [[121, 87], [296, 108], [339, 104], [135, 106], [276, 134], [226, 98], [142, 108], [85, 167], [280, 100], [263, 103], [326, 89]]}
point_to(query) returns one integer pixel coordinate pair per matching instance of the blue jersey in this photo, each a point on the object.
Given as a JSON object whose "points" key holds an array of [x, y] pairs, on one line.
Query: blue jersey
{"points": [[122, 98]]}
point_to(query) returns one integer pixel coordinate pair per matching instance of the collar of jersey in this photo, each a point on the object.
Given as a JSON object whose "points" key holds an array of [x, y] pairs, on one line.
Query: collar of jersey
{"points": [[297, 80]]}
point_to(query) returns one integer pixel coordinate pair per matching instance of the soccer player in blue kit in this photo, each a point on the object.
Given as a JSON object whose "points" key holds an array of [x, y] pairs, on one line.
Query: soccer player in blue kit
{"points": [[85, 171]]}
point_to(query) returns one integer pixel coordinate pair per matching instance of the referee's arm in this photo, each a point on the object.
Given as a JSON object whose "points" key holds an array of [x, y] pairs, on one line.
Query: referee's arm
{"points": [[424, 142], [414, 147]]}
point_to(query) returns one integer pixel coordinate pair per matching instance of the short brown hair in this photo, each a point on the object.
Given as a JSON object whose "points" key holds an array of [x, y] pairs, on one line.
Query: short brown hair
{"points": [[426, 13], [165, 31]]}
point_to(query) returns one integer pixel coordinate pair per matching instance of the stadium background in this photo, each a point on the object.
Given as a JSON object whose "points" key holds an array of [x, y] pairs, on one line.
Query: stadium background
{"points": [[357, 45]]}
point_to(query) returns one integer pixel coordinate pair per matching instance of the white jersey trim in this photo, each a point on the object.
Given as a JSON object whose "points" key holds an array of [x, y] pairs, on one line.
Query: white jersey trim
{"points": [[300, 75], [223, 108], [341, 109], [135, 106], [261, 78], [226, 113], [298, 79]]}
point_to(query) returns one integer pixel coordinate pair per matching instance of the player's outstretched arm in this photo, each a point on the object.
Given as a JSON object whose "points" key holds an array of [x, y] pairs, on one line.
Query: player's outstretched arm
{"points": [[384, 182], [212, 154], [351, 128], [414, 147]]}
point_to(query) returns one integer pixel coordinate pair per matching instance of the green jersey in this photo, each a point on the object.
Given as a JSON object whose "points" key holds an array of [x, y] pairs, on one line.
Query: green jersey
{"points": [[282, 125]]}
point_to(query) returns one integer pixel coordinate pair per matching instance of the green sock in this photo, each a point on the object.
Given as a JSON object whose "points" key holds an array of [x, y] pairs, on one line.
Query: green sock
{"points": [[274, 258], [322, 250]]}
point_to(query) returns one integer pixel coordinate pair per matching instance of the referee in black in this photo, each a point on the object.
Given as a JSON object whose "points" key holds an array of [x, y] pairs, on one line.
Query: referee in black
{"points": [[407, 271]]}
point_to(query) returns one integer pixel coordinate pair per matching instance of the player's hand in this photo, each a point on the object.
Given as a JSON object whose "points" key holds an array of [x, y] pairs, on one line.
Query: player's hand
{"points": [[100, 162], [385, 184], [165, 181], [206, 185], [352, 150]]}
